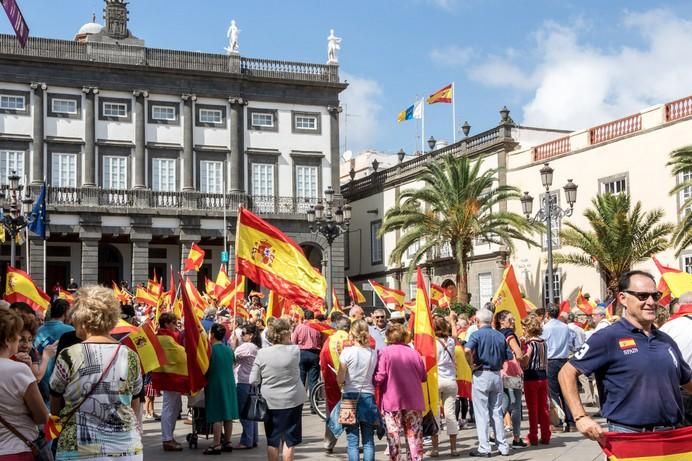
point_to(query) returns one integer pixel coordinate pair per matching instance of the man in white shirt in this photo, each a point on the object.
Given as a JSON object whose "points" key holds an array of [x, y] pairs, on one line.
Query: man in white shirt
{"points": [[379, 327], [680, 328]]}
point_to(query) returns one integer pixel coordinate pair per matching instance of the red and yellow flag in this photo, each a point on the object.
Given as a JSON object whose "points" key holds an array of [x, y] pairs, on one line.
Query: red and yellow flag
{"points": [[209, 287], [673, 282], [194, 259], [143, 296], [438, 297], [197, 346], [172, 375], [222, 280], [233, 293], [584, 304], [269, 258], [389, 295], [353, 291], [147, 346], [424, 343], [52, 428], [121, 294], [675, 445], [20, 287], [196, 300], [508, 298], [123, 328], [154, 287], [336, 307], [464, 373], [442, 95], [66, 295]]}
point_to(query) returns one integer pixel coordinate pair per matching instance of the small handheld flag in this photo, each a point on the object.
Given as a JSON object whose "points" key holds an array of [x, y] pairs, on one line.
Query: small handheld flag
{"points": [[194, 259]]}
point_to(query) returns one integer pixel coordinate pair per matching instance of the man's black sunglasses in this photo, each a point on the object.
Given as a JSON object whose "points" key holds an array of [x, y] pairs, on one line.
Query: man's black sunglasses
{"points": [[644, 295]]}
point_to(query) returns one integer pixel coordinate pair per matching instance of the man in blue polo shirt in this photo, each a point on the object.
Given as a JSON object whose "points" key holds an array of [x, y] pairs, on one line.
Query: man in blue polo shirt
{"points": [[486, 351], [640, 369]]}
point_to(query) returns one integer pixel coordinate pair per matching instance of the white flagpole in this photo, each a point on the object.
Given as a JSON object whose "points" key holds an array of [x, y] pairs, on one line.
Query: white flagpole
{"points": [[454, 113], [26, 236], [422, 116], [225, 226], [45, 244]]}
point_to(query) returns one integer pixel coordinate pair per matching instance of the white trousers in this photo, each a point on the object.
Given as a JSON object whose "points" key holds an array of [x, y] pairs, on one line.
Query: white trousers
{"points": [[448, 397], [170, 410]]}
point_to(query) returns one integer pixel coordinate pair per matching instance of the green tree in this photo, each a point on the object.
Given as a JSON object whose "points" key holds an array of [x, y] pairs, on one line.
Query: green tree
{"points": [[456, 205], [680, 163], [618, 236]]}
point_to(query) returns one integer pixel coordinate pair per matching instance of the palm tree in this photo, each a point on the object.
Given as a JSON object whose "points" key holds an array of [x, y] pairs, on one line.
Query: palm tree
{"points": [[461, 205], [619, 237], [681, 163]]}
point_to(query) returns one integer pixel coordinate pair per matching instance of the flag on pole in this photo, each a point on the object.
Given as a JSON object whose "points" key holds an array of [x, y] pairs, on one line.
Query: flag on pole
{"points": [[143, 296], [674, 445], [66, 295], [123, 328], [389, 295], [443, 95], [196, 345], [336, 307], [222, 280], [438, 297], [194, 259], [354, 293], [234, 292], [424, 343], [508, 298], [584, 304], [37, 222], [269, 258], [413, 111], [673, 282], [121, 294], [20, 286], [209, 287], [196, 300]]}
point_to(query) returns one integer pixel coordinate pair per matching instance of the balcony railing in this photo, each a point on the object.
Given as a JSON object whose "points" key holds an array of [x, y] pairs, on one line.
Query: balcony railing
{"points": [[551, 149], [679, 109], [616, 128]]}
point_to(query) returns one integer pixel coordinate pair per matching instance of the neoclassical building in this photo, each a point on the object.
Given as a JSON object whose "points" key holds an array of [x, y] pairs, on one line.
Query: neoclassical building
{"points": [[143, 148]]}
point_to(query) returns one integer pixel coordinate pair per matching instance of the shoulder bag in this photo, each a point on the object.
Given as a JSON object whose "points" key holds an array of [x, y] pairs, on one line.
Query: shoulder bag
{"points": [[255, 408], [348, 413], [40, 448]]}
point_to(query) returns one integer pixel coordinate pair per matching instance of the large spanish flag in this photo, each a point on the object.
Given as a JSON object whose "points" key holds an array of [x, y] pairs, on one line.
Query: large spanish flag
{"points": [[584, 304], [196, 345], [424, 343], [675, 445], [172, 375], [336, 306], [147, 346], [353, 291], [463, 372], [444, 94], [20, 287], [197, 302], [508, 298], [194, 259], [389, 295], [269, 258]]}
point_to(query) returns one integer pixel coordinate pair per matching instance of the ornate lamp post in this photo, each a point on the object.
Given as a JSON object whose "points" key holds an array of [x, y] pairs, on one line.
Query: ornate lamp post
{"points": [[330, 221], [547, 213], [19, 215], [431, 143]]}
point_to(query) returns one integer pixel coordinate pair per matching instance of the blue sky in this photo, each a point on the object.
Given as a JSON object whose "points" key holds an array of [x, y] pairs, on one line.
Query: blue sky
{"points": [[558, 64]]}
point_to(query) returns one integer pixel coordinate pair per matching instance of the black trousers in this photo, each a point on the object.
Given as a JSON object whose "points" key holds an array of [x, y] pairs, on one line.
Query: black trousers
{"points": [[309, 368], [554, 367], [687, 404]]}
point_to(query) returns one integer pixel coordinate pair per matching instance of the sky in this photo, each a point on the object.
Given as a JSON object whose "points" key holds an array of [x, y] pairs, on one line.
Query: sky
{"points": [[567, 64]]}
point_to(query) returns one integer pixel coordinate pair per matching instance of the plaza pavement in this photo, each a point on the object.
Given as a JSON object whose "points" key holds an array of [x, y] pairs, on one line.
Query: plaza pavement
{"points": [[571, 446]]}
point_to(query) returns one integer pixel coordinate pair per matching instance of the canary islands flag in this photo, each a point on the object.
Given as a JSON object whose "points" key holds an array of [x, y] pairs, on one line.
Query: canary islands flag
{"points": [[411, 112]]}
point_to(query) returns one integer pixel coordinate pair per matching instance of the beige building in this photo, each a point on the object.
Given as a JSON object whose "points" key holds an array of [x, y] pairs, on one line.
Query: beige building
{"points": [[628, 154]]}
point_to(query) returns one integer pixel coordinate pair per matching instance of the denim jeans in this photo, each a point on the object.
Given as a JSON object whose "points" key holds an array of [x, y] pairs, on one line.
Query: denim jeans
{"points": [[250, 434], [367, 431], [511, 401], [309, 368]]}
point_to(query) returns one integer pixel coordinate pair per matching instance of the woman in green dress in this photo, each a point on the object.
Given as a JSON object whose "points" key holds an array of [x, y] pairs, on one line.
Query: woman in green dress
{"points": [[220, 395]]}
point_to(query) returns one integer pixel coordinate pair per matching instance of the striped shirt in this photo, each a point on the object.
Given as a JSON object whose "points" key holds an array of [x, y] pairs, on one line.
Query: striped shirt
{"points": [[537, 352]]}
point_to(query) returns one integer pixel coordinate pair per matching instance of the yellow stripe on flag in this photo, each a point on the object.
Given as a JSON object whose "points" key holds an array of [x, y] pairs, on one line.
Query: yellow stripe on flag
{"points": [[508, 298]]}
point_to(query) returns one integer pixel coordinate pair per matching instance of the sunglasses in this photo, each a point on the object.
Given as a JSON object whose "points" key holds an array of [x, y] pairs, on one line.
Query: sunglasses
{"points": [[378, 317], [644, 295]]}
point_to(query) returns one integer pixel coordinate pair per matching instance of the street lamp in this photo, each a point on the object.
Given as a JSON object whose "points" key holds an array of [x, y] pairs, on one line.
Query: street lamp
{"points": [[549, 210], [329, 221], [18, 216], [431, 143]]}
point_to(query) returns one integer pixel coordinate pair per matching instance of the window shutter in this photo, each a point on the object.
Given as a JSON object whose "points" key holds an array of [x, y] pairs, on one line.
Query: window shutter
{"points": [[55, 170], [107, 183], [203, 176], [155, 173]]}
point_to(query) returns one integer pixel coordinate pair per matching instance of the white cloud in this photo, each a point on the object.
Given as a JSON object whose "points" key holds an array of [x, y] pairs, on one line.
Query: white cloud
{"points": [[576, 85], [359, 125], [451, 56]]}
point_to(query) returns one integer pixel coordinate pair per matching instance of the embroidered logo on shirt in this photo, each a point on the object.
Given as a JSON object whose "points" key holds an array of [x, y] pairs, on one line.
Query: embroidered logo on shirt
{"points": [[627, 343]]}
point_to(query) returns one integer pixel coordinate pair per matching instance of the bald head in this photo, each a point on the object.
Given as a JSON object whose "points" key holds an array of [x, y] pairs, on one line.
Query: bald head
{"points": [[356, 313]]}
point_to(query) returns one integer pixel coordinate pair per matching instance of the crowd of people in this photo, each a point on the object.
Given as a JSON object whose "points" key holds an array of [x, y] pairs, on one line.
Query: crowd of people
{"points": [[634, 374]]}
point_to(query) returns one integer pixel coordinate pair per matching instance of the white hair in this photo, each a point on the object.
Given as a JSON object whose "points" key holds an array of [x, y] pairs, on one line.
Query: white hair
{"points": [[686, 298], [484, 316]]}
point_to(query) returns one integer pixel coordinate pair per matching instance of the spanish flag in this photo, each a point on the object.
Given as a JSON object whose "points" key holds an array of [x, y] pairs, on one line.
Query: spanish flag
{"points": [[438, 298], [121, 294], [143, 296], [269, 258], [171, 376], [336, 307], [66, 295], [233, 292], [209, 287], [147, 346], [508, 298], [197, 302], [52, 428], [463, 372], [673, 282], [194, 259], [197, 346], [154, 287], [424, 343], [675, 445], [389, 295], [584, 304], [444, 95], [353, 291], [123, 328], [222, 280], [20, 287]]}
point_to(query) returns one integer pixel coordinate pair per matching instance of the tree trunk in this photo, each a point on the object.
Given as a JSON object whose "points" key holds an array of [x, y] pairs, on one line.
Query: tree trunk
{"points": [[462, 279]]}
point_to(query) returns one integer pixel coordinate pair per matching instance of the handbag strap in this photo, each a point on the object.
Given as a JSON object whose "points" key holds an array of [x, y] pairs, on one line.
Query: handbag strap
{"points": [[360, 391], [444, 346], [19, 435]]}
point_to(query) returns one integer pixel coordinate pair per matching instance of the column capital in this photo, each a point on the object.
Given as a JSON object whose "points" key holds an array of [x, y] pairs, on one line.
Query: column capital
{"points": [[188, 96], [142, 93], [90, 89], [334, 110], [237, 100], [38, 86]]}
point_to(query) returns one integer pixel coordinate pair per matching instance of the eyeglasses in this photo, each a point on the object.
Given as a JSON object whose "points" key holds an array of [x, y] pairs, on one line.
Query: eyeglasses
{"points": [[644, 295]]}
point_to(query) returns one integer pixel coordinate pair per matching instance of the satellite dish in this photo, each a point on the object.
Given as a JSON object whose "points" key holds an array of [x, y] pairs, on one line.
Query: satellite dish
{"points": [[348, 155]]}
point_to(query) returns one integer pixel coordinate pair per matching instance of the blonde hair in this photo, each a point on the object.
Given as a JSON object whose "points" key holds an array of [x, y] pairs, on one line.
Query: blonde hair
{"points": [[360, 332], [396, 334], [95, 310], [277, 331]]}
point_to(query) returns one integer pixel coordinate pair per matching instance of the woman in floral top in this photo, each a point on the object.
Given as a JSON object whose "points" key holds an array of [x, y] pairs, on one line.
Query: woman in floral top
{"points": [[104, 425]]}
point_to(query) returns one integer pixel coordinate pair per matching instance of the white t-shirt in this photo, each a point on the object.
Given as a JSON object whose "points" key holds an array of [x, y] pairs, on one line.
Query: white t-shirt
{"points": [[680, 329], [446, 367], [15, 378], [360, 363]]}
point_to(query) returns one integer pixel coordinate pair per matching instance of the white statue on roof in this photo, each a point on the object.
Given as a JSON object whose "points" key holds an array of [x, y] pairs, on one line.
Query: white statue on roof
{"points": [[232, 35], [333, 45]]}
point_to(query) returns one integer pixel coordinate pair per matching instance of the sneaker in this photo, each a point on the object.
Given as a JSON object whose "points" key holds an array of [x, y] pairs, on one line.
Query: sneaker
{"points": [[479, 454], [427, 441], [519, 444]]}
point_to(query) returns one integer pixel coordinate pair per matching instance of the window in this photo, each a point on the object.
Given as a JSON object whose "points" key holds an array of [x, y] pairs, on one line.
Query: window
{"points": [[554, 221], [485, 288], [686, 193], [445, 250], [557, 289], [64, 170], [306, 181], [12, 102], [163, 113], [163, 175], [614, 185], [375, 242], [263, 179], [63, 106], [687, 263], [11, 160], [211, 177], [306, 122], [114, 172], [115, 109], [413, 248], [211, 116], [412, 287], [263, 119]]}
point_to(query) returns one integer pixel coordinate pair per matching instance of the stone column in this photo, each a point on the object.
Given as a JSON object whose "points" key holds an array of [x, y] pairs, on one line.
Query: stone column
{"points": [[140, 260], [90, 137], [37, 175], [188, 127], [140, 138], [237, 180], [36, 261], [90, 261], [335, 157]]}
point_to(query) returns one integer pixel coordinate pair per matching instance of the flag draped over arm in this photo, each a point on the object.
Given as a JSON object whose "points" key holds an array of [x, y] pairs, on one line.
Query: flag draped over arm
{"points": [[269, 258], [389, 295], [508, 297], [424, 343], [20, 287], [354, 293], [196, 346], [675, 445]]}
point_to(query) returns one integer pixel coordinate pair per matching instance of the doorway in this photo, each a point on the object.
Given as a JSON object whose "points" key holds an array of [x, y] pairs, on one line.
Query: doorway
{"points": [[110, 265]]}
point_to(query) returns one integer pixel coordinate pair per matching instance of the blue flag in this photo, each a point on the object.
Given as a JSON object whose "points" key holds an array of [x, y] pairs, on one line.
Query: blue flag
{"points": [[37, 223]]}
